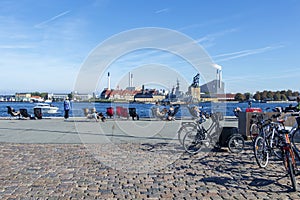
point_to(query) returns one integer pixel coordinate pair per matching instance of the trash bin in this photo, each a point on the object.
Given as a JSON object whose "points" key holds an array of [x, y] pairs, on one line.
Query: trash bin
{"points": [[110, 112], [225, 134], [245, 118], [256, 110], [38, 113]]}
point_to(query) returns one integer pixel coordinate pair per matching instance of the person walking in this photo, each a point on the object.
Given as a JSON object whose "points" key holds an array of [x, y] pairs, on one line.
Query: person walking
{"points": [[67, 107]]}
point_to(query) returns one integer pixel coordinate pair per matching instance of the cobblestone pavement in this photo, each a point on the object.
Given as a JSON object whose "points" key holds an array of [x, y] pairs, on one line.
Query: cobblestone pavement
{"points": [[70, 171]]}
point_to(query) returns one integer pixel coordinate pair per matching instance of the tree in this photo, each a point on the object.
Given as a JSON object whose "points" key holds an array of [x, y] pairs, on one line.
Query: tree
{"points": [[263, 95], [277, 96], [239, 97], [247, 95], [289, 93], [71, 96], [44, 95], [283, 97], [270, 95], [295, 94], [35, 94], [257, 96]]}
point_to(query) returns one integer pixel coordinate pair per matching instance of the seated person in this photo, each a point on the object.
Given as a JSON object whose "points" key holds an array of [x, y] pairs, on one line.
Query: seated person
{"points": [[12, 112], [172, 112], [196, 111], [236, 111], [160, 114], [292, 108], [95, 115], [101, 116]]}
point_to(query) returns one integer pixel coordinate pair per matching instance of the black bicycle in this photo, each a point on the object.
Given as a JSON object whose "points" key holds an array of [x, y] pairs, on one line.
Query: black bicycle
{"points": [[268, 142], [197, 137]]}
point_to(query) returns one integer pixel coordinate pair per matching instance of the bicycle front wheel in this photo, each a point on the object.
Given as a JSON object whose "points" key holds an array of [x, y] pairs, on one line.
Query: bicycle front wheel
{"points": [[184, 130], [290, 168], [236, 143], [296, 139], [193, 142], [276, 146], [254, 131], [261, 152]]}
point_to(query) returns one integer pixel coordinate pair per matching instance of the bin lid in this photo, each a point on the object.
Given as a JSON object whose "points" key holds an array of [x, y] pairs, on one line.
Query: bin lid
{"points": [[253, 110]]}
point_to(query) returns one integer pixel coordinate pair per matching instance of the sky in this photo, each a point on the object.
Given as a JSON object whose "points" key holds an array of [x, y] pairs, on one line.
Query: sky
{"points": [[44, 44]]}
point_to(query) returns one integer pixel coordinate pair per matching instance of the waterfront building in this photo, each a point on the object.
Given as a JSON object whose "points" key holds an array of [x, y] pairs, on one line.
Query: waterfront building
{"points": [[126, 95], [58, 96], [194, 90], [213, 88], [36, 99], [148, 97], [7, 98], [23, 96]]}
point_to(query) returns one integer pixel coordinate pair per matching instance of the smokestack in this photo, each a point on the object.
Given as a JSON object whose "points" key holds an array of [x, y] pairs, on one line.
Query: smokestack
{"points": [[108, 81], [220, 78], [131, 80], [218, 75]]}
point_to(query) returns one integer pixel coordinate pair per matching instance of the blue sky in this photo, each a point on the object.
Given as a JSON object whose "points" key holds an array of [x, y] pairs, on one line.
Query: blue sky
{"points": [[43, 44]]}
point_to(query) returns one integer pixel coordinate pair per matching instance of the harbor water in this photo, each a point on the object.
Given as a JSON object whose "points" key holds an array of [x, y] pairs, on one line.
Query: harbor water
{"points": [[144, 110]]}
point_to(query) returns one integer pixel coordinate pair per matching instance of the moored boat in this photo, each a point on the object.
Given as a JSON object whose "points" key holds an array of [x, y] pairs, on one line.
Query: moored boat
{"points": [[46, 108]]}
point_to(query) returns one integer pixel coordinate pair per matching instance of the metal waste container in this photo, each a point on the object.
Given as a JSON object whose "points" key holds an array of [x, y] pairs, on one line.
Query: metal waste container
{"points": [[38, 113], [245, 118]]}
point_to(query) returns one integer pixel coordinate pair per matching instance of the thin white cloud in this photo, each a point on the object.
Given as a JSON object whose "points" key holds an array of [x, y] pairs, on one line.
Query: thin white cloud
{"points": [[162, 10], [42, 24], [212, 22], [239, 54], [16, 47], [209, 39]]}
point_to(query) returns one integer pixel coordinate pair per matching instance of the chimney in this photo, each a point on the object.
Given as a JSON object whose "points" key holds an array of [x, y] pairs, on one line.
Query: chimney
{"points": [[108, 81], [131, 80]]}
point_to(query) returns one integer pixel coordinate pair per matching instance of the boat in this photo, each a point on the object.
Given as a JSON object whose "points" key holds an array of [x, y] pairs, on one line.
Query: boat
{"points": [[46, 108]]}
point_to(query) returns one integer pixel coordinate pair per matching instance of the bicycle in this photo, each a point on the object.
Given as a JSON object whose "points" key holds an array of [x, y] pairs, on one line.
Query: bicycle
{"points": [[191, 126], [295, 132], [289, 153], [289, 150], [198, 137], [254, 129], [268, 141]]}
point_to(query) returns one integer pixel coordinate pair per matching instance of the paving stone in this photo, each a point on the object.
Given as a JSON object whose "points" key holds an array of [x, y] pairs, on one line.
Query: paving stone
{"points": [[53, 171]]}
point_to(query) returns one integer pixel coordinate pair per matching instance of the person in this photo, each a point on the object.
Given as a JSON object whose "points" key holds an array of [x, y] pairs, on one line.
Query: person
{"points": [[237, 111], [249, 104], [157, 113], [196, 111], [172, 112], [297, 107], [292, 108], [199, 113], [101, 116], [67, 107], [12, 112], [170, 116]]}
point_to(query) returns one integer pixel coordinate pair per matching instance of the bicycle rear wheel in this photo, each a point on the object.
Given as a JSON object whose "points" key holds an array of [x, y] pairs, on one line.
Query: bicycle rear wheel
{"points": [[290, 168], [193, 141], [236, 143], [261, 152]]}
